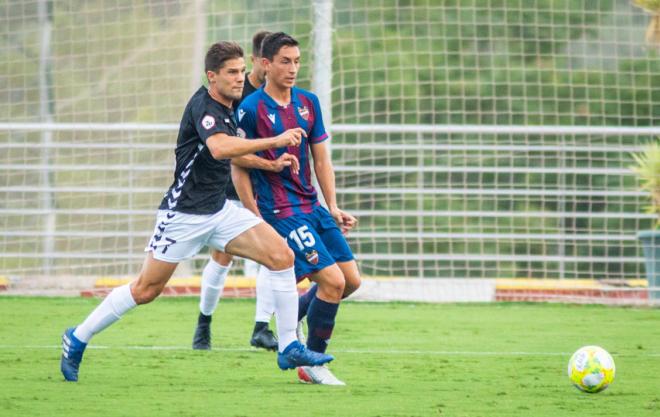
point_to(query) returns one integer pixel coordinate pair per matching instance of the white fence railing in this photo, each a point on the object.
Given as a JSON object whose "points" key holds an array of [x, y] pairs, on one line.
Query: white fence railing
{"points": [[390, 236]]}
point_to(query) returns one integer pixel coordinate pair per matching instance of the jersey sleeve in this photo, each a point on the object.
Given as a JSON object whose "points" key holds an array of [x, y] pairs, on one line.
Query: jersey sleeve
{"points": [[210, 121], [318, 133], [247, 120]]}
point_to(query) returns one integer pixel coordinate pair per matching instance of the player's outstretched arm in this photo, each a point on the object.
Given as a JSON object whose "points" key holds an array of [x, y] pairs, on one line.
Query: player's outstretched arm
{"points": [[256, 162], [241, 179], [223, 146], [325, 174]]}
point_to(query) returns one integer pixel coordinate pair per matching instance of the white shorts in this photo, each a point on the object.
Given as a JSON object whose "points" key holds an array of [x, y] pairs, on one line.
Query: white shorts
{"points": [[180, 236]]}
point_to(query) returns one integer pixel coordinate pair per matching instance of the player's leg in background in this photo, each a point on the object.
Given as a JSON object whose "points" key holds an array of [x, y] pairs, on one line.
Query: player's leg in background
{"points": [[250, 268], [263, 245], [262, 336], [149, 284], [213, 282], [305, 299]]}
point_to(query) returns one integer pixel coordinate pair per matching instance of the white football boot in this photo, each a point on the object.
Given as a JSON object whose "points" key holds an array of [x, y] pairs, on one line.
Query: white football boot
{"points": [[317, 375]]}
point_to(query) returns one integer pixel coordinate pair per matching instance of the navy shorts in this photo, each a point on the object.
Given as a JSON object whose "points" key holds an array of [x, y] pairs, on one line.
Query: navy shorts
{"points": [[316, 240]]}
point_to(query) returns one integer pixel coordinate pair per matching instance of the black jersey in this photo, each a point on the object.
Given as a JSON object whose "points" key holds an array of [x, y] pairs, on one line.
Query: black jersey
{"points": [[200, 181], [248, 89]]}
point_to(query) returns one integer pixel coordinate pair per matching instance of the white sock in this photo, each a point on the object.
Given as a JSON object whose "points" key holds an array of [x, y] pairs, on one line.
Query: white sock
{"points": [[213, 282], [285, 297], [250, 268], [116, 304], [265, 301]]}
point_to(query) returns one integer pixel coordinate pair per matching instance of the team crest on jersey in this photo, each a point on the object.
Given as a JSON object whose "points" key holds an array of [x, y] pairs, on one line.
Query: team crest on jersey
{"points": [[208, 122], [312, 257], [241, 113], [303, 112], [241, 133], [271, 117]]}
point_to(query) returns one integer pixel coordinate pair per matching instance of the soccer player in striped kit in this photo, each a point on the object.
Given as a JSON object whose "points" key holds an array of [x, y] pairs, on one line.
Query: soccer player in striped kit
{"points": [[289, 201]]}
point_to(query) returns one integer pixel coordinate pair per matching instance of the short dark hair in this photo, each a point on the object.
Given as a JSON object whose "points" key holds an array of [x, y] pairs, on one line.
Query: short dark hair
{"points": [[257, 40], [272, 44], [219, 53]]}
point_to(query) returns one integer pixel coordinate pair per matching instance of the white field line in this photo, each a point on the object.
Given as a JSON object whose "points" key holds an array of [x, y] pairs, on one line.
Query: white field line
{"points": [[395, 352]]}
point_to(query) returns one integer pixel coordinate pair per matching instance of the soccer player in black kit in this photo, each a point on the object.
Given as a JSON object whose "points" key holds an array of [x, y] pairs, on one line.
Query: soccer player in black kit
{"points": [[194, 214], [216, 270]]}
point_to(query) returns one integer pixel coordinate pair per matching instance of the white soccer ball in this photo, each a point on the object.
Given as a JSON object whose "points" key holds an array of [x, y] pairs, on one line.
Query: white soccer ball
{"points": [[591, 369]]}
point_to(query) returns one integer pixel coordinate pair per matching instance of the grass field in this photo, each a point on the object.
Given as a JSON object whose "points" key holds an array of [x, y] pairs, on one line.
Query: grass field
{"points": [[397, 359]]}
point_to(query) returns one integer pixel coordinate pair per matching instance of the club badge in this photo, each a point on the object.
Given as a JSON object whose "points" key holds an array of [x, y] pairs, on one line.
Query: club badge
{"points": [[312, 257], [303, 112]]}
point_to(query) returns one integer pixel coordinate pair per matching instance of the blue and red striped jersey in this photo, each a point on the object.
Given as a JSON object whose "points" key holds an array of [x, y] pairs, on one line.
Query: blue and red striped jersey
{"points": [[283, 194]]}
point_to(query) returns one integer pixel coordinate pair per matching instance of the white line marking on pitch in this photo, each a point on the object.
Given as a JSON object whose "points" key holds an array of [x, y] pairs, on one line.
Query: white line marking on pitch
{"points": [[350, 351]]}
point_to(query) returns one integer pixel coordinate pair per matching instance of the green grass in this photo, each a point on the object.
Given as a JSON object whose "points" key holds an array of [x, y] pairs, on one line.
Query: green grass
{"points": [[427, 360]]}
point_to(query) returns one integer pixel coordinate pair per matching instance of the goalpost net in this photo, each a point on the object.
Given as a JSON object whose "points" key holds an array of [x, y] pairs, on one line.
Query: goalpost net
{"points": [[484, 145]]}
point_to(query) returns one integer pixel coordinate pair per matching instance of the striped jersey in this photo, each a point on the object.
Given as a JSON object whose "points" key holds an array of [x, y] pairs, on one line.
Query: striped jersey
{"points": [[283, 194]]}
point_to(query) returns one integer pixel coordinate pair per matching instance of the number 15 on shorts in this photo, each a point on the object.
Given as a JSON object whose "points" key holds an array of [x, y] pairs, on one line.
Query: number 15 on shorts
{"points": [[303, 237]]}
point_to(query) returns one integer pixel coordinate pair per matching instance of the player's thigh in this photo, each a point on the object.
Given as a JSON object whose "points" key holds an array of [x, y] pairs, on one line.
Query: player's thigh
{"points": [[262, 244], [152, 279], [231, 223]]}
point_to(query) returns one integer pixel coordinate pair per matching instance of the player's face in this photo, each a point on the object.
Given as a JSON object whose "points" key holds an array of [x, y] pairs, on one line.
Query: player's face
{"points": [[229, 80], [283, 69]]}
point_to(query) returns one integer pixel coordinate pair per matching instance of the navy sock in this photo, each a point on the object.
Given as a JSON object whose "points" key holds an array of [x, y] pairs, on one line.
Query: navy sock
{"points": [[320, 323], [304, 301]]}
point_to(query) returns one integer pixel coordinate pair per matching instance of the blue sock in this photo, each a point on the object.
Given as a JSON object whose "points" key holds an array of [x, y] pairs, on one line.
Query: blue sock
{"points": [[304, 301], [320, 323]]}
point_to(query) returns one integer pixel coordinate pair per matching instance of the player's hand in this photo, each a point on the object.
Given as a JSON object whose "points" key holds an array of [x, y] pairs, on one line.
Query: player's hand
{"points": [[291, 137], [286, 160], [344, 220]]}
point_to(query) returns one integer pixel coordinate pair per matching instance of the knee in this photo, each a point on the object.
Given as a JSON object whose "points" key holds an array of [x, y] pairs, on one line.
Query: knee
{"points": [[280, 258], [221, 258], [333, 286], [143, 294]]}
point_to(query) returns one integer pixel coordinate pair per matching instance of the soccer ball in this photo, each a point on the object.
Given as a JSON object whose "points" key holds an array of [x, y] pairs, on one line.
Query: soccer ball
{"points": [[591, 369]]}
